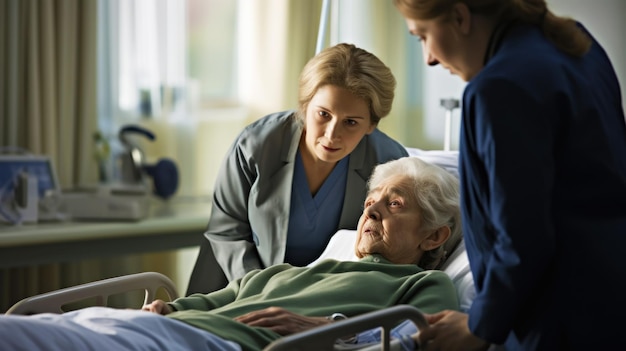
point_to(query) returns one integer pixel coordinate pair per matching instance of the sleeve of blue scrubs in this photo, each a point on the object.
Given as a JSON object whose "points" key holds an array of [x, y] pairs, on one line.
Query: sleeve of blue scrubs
{"points": [[508, 130]]}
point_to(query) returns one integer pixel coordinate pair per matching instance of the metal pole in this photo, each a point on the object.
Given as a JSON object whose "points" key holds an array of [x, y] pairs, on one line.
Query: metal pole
{"points": [[321, 31], [449, 105]]}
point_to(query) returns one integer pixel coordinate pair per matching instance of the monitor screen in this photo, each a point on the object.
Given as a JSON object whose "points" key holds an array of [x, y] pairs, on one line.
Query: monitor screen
{"points": [[11, 166]]}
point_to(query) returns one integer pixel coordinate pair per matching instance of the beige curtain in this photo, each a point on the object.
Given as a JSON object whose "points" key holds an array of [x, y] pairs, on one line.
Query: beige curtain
{"points": [[48, 106], [277, 38], [48, 84]]}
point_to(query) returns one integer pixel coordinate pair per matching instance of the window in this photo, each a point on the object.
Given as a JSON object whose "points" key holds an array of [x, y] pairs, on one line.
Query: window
{"points": [[168, 65], [212, 51], [164, 59]]}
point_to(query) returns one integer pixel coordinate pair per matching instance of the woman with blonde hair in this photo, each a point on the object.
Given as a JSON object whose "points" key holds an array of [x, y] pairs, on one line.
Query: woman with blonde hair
{"points": [[292, 179], [543, 175]]}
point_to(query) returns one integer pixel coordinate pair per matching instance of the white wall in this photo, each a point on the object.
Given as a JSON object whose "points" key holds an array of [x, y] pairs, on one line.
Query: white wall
{"points": [[603, 18]]}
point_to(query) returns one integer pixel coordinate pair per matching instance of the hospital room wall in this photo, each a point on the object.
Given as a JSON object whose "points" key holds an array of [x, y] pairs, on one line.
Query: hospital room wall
{"points": [[604, 18]]}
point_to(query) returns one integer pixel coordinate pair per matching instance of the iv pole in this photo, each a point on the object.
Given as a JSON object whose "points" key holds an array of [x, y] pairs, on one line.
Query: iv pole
{"points": [[323, 28], [449, 105]]}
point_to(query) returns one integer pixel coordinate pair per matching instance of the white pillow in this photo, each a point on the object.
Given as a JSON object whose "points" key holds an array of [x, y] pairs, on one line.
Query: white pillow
{"points": [[341, 247], [449, 160], [457, 267]]}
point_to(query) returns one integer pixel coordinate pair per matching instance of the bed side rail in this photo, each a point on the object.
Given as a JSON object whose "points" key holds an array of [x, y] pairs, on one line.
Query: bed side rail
{"points": [[54, 301], [324, 337]]}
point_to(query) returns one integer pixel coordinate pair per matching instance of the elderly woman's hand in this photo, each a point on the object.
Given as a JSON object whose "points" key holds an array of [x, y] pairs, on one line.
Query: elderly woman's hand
{"points": [[449, 331], [281, 321], [158, 307]]}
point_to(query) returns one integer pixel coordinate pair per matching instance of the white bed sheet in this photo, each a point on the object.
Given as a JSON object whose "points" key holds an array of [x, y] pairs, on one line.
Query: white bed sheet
{"points": [[104, 328]]}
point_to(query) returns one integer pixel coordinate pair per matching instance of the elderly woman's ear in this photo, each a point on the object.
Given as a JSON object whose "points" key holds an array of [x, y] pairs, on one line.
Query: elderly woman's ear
{"points": [[436, 239]]}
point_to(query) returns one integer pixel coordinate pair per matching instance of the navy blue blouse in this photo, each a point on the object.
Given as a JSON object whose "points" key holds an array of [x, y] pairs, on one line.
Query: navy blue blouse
{"points": [[314, 219]]}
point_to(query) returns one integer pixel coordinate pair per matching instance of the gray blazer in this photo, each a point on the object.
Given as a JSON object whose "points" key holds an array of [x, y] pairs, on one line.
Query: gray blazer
{"points": [[250, 212]]}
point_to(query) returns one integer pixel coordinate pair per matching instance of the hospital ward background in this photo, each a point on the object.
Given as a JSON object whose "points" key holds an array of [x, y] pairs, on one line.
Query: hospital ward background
{"points": [[123, 111]]}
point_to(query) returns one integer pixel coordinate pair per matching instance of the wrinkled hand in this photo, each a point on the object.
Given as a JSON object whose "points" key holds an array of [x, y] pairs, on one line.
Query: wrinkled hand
{"points": [[281, 321], [158, 307], [449, 331]]}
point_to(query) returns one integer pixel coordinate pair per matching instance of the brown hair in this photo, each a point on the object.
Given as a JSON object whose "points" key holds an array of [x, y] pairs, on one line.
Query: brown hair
{"points": [[351, 68], [563, 32]]}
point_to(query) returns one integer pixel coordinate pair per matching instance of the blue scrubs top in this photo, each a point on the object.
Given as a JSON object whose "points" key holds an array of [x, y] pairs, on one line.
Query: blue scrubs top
{"points": [[314, 219]]}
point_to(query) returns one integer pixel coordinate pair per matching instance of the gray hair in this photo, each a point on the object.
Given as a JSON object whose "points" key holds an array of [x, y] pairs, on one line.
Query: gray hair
{"points": [[437, 193]]}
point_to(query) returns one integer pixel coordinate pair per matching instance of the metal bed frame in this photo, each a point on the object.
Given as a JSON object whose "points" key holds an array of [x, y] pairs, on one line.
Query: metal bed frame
{"points": [[316, 339]]}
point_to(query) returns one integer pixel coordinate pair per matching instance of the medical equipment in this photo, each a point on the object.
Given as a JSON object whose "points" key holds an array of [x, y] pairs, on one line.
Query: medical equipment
{"points": [[107, 202], [133, 166], [127, 197], [29, 189]]}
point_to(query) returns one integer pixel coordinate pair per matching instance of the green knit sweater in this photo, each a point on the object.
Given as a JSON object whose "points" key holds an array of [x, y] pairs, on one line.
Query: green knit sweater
{"points": [[352, 288]]}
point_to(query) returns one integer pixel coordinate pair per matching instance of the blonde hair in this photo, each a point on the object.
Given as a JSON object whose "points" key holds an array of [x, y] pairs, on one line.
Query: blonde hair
{"points": [[437, 194], [351, 68], [563, 32]]}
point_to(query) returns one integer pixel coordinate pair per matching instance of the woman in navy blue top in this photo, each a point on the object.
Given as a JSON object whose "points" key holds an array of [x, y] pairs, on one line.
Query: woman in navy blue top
{"points": [[543, 175]]}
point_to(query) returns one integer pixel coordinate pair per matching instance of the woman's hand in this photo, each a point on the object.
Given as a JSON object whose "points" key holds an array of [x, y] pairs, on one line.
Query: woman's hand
{"points": [[158, 307], [449, 331], [281, 321]]}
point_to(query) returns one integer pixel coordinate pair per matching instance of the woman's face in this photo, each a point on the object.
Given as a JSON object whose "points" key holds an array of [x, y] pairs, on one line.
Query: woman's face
{"points": [[336, 121], [444, 42], [391, 223]]}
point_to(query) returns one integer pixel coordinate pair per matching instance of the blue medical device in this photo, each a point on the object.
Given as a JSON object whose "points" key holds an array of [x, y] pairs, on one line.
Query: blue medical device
{"points": [[26, 181], [164, 173]]}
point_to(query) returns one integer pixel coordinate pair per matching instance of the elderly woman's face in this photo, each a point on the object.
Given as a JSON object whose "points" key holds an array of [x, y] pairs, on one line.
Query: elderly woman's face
{"points": [[391, 223]]}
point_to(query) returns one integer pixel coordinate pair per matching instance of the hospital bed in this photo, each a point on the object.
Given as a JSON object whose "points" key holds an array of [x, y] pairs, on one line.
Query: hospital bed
{"points": [[340, 247]]}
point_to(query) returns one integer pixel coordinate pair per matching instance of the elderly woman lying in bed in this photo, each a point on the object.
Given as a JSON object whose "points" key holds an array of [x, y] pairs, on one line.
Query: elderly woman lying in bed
{"points": [[410, 219]]}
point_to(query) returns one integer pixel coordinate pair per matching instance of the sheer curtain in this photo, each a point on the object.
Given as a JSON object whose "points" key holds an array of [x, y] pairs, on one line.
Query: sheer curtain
{"points": [[142, 68], [275, 39]]}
